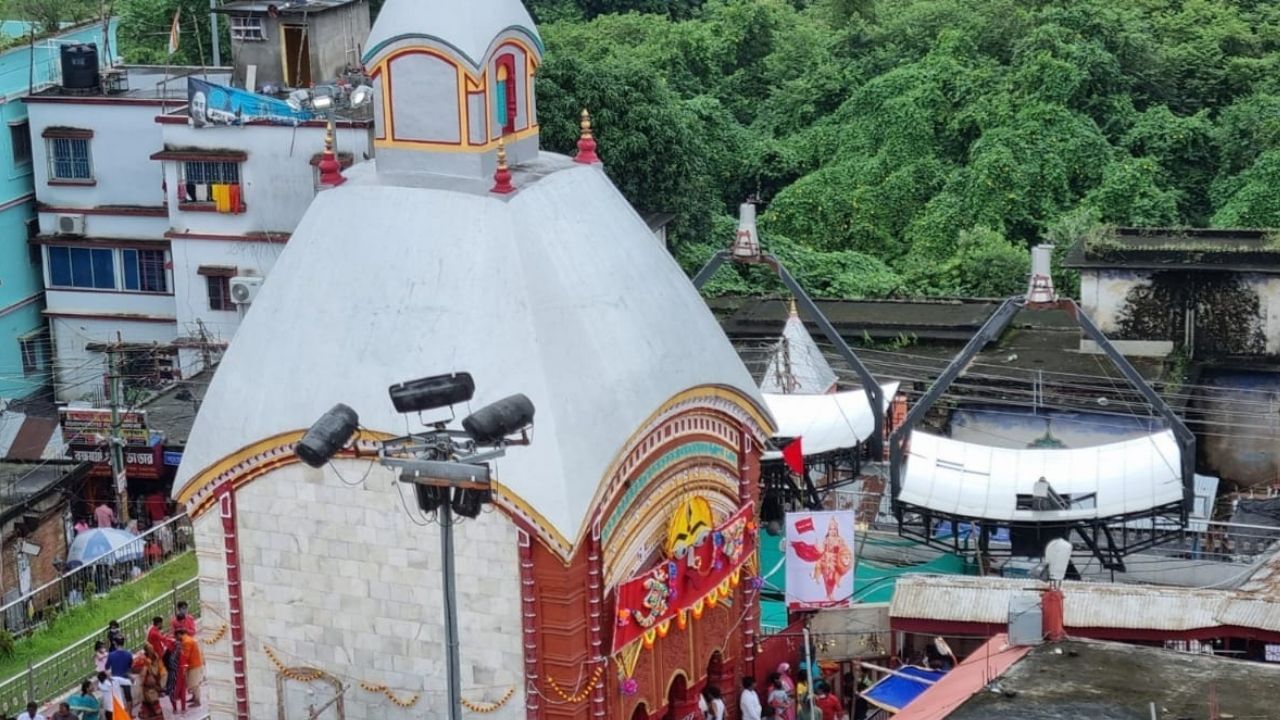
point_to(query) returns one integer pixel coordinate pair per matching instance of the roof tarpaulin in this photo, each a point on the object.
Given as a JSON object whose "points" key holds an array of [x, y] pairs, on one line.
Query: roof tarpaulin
{"points": [[826, 422], [970, 676], [895, 692]]}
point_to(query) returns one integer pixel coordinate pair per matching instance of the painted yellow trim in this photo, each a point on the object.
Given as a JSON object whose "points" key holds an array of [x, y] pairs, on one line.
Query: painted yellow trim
{"points": [[450, 147]]}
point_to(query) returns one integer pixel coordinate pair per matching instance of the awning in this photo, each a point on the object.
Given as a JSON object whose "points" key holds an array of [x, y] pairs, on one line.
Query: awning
{"points": [[979, 481], [825, 422], [200, 155], [984, 664], [896, 692]]}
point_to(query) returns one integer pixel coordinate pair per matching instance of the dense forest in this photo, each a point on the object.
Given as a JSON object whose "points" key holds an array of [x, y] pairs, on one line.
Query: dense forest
{"points": [[904, 147]]}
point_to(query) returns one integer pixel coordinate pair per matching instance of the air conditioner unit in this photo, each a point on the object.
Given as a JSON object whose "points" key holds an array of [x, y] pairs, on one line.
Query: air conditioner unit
{"points": [[245, 289], [70, 224]]}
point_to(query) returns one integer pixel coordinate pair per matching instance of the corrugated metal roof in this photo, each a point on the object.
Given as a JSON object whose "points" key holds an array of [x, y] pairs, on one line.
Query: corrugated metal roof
{"points": [[1087, 605], [1266, 579]]}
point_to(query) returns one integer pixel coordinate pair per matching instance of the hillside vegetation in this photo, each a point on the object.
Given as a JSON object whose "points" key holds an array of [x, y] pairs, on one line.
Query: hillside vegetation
{"points": [[899, 147]]}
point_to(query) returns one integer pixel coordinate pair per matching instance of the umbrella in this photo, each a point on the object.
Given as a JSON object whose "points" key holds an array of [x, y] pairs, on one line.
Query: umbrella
{"points": [[114, 546]]}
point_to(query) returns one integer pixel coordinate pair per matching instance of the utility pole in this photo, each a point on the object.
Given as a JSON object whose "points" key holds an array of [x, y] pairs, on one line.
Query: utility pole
{"points": [[213, 30], [116, 442]]}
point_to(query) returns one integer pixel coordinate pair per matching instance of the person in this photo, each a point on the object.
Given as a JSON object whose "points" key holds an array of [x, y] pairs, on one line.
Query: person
{"points": [[153, 683], [183, 621], [715, 702], [32, 713], [749, 701], [115, 636], [860, 704], [107, 693], [779, 698], [806, 710], [64, 713], [191, 661], [827, 702], [157, 507], [99, 656], [120, 663], [85, 704], [152, 554], [105, 516], [81, 525], [156, 638], [802, 682]]}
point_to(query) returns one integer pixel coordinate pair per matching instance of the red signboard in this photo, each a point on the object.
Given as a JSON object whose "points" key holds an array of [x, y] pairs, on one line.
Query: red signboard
{"points": [[141, 463], [679, 586]]}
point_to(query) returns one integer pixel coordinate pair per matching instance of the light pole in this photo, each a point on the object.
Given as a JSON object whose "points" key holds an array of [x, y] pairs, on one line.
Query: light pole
{"points": [[326, 100], [448, 469]]}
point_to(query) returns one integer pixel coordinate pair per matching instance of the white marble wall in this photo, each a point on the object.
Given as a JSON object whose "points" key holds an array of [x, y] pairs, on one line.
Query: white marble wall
{"points": [[337, 576]]}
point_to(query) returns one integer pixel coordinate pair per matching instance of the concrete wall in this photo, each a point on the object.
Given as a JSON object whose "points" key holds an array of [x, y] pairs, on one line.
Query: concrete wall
{"points": [[278, 179], [50, 534], [1244, 447], [20, 302], [79, 372], [1235, 313], [125, 136], [339, 578], [335, 38]]}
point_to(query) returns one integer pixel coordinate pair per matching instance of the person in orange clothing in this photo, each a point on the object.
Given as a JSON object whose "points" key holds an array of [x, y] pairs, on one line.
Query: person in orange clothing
{"points": [[191, 664]]}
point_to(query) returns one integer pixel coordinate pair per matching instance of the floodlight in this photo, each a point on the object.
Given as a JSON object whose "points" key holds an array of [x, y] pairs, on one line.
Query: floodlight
{"points": [[322, 102], [362, 95], [430, 498], [432, 392], [328, 435], [492, 423], [468, 502]]}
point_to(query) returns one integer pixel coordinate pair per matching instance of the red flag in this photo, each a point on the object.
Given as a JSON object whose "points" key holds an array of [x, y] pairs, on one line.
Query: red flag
{"points": [[805, 525], [793, 456]]}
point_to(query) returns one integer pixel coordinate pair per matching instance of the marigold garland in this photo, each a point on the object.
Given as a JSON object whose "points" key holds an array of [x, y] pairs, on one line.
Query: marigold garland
{"points": [[380, 688], [489, 707], [582, 694], [216, 636]]}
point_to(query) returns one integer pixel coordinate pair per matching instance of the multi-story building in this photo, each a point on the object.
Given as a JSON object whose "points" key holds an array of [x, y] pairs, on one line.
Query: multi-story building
{"points": [[24, 351], [138, 253]]}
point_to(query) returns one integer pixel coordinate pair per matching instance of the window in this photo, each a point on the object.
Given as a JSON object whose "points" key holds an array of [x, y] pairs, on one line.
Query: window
{"points": [[144, 271], [220, 292], [85, 268], [69, 159], [247, 28], [505, 95], [20, 140], [35, 352], [216, 184]]}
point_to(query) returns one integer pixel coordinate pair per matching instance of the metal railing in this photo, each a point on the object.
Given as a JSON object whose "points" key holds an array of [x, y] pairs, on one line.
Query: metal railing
{"points": [[98, 576], [53, 677]]}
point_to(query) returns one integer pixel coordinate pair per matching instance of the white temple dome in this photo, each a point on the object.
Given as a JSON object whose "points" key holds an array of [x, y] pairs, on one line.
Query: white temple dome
{"points": [[469, 26]]}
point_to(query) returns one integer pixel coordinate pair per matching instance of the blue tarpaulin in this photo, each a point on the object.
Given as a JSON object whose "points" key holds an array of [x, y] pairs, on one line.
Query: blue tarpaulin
{"points": [[895, 692]]}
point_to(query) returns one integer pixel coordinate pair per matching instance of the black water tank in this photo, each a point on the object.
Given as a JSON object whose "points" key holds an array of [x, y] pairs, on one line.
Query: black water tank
{"points": [[80, 66]]}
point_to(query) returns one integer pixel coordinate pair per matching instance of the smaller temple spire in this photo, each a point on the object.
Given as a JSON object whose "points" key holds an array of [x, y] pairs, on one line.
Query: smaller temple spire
{"points": [[502, 177], [792, 308], [586, 143], [330, 168]]}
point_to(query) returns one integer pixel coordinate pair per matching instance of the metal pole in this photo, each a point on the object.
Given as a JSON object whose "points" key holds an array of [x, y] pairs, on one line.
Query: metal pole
{"points": [[445, 515], [118, 475], [808, 669], [213, 30]]}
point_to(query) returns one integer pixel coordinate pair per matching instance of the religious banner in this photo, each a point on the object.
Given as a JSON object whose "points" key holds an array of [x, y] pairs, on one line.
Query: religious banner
{"points": [[819, 559], [704, 563], [209, 104]]}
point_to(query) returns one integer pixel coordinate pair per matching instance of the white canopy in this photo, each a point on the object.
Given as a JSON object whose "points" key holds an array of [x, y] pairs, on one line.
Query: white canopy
{"points": [[979, 481], [825, 422]]}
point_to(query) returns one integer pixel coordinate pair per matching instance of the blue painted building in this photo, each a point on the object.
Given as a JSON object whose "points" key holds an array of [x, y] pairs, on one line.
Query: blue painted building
{"points": [[24, 337]]}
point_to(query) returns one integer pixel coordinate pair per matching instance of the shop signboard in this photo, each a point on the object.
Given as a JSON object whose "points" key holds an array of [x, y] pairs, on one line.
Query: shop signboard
{"points": [[143, 463], [820, 559], [92, 426]]}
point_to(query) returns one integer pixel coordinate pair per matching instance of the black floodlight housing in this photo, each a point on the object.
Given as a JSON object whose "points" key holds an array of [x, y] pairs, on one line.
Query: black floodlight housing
{"points": [[429, 393], [468, 502], [430, 497], [328, 435], [492, 424]]}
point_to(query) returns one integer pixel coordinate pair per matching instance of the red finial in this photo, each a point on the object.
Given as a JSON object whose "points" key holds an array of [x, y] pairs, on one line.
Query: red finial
{"points": [[502, 177], [330, 168], [586, 143]]}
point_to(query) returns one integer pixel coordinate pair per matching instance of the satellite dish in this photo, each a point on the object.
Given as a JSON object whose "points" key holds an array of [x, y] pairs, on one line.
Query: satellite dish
{"points": [[1058, 555]]}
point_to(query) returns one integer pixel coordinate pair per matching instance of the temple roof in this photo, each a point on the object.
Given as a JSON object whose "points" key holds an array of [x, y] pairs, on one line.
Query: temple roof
{"points": [[797, 365], [558, 292], [470, 27]]}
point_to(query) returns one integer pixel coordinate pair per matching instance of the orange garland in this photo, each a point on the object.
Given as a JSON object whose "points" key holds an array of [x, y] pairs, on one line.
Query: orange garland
{"points": [[582, 694]]}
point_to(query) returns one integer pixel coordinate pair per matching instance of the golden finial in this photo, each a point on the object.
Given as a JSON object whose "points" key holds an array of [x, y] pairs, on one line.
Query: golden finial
{"points": [[586, 142], [502, 177], [793, 308]]}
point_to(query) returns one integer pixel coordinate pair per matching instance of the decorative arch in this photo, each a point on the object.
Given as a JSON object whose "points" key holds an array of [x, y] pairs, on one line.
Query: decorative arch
{"points": [[641, 712], [506, 105]]}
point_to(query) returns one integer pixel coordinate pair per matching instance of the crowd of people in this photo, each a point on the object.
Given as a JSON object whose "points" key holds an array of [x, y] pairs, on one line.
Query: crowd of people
{"points": [[788, 698], [169, 666]]}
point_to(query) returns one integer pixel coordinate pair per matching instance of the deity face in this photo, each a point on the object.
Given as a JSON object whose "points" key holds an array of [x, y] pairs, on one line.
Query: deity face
{"points": [[833, 529]]}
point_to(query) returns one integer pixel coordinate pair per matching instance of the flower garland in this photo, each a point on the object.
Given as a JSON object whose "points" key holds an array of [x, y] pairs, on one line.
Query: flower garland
{"points": [[289, 673], [489, 707], [216, 636], [380, 688], [583, 693]]}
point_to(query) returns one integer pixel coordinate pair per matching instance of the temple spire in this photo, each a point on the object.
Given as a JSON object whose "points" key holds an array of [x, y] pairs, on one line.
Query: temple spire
{"points": [[586, 143]]}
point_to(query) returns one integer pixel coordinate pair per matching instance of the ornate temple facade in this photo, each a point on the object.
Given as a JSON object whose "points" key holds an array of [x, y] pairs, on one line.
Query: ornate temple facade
{"points": [[613, 576]]}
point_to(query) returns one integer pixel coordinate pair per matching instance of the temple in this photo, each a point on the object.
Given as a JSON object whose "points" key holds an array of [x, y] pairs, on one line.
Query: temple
{"points": [[614, 576]]}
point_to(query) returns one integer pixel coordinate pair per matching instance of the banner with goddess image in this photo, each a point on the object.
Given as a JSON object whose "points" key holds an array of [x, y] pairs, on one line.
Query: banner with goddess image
{"points": [[819, 559]]}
